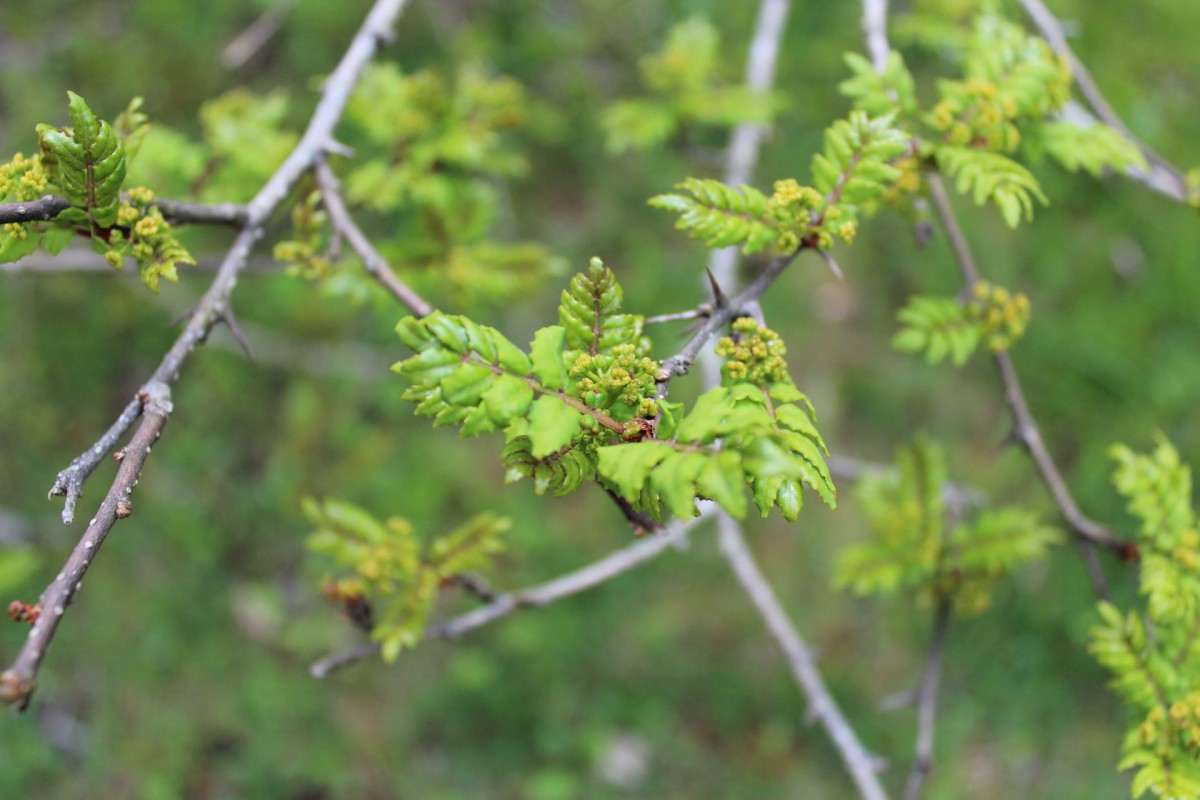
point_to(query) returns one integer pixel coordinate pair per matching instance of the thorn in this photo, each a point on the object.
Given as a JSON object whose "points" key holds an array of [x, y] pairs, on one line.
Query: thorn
{"points": [[719, 298], [228, 318], [833, 266]]}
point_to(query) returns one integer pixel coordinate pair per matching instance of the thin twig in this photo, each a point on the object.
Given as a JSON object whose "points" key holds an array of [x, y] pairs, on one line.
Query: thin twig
{"points": [[926, 701], [18, 681], [374, 31], [858, 761], [1025, 427], [1163, 176], [376, 266], [592, 575]]}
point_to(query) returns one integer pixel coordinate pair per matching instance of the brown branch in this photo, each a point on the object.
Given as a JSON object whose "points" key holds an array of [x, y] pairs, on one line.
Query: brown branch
{"points": [[1163, 176], [861, 765], [590, 576], [375, 264], [17, 683], [1025, 427], [48, 207], [926, 701], [212, 307]]}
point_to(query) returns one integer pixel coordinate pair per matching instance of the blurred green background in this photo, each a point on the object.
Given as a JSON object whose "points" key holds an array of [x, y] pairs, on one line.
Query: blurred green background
{"points": [[182, 669]]}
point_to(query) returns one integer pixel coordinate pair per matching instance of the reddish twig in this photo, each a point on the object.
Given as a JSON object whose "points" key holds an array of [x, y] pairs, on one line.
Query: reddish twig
{"points": [[375, 264], [1025, 427]]}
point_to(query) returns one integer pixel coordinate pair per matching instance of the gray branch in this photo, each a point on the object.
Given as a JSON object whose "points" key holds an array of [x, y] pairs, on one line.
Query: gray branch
{"points": [[18, 682], [214, 306], [861, 764]]}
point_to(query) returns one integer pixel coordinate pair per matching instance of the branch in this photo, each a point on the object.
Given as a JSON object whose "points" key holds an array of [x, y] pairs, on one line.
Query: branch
{"points": [[859, 763], [375, 264], [1025, 427], [18, 681], [48, 207], [874, 25], [926, 700], [212, 307], [1163, 176], [594, 574]]}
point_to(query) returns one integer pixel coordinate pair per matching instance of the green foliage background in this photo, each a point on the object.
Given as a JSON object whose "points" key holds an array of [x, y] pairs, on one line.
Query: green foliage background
{"points": [[184, 661]]}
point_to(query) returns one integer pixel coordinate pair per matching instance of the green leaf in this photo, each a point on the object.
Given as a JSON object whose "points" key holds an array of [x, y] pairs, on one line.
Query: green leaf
{"points": [[547, 357], [723, 481], [991, 176], [628, 465], [507, 397], [675, 481], [721, 216], [552, 425], [14, 248]]}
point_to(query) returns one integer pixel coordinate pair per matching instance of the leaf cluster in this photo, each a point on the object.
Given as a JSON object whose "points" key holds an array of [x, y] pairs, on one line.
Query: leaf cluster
{"points": [[685, 91], [1012, 86], [1155, 657], [850, 175], [915, 547], [942, 326], [582, 406], [87, 163], [434, 151], [390, 579]]}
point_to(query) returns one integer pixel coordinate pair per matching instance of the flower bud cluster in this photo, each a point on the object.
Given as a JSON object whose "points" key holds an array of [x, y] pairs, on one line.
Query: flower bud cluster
{"points": [[619, 376], [755, 354], [1001, 315]]}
